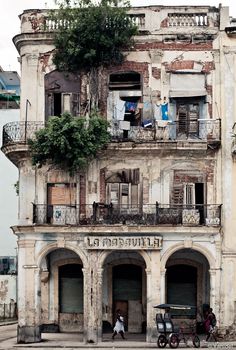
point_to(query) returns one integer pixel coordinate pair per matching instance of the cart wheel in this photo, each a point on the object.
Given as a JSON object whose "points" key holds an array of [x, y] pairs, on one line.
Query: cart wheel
{"points": [[161, 341], [174, 341], [196, 341]]}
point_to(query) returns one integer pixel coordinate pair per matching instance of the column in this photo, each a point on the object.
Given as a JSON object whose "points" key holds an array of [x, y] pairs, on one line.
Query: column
{"points": [[99, 303], [28, 318], [92, 308], [212, 273], [153, 295], [163, 286]]}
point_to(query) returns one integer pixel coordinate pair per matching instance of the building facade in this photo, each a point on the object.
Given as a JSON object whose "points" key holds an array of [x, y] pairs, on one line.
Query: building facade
{"points": [[151, 219]]}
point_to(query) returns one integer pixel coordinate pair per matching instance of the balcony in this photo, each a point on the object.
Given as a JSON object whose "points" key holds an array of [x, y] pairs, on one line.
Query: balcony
{"points": [[188, 20], [15, 136], [145, 215], [202, 130], [19, 132]]}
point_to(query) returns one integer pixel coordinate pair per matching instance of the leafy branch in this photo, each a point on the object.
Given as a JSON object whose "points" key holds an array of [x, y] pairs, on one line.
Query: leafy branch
{"points": [[91, 34], [69, 142]]}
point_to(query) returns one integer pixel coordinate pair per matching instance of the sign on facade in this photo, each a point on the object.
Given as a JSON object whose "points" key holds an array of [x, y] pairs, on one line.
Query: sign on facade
{"points": [[123, 243]]}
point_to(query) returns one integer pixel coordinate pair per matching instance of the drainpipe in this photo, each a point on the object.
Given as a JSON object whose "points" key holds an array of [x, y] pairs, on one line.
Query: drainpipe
{"points": [[26, 117]]}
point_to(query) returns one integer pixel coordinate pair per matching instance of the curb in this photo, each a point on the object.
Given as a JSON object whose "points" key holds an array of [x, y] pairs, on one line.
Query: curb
{"points": [[7, 323]]}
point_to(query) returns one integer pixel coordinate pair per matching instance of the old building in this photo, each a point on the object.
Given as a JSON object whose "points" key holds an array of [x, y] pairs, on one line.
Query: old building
{"points": [[9, 113], [151, 220]]}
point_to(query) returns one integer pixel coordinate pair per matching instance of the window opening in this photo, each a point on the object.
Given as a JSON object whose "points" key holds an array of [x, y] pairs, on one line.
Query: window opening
{"points": [[125, 81], [57, 104]]}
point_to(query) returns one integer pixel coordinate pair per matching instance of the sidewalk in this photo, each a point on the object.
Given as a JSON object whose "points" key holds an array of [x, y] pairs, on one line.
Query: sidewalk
{"points": [[75, 341]]}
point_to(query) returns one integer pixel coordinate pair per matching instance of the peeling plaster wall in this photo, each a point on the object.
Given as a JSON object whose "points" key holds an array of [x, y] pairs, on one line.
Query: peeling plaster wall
{"points": [[7, 288]]}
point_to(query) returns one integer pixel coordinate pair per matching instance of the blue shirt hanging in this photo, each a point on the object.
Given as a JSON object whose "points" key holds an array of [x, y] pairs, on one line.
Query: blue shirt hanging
{"points": [[164, 111]]}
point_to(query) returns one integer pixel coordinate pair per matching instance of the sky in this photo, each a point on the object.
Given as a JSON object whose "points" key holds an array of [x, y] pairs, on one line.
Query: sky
{"points": [[10, 23]]}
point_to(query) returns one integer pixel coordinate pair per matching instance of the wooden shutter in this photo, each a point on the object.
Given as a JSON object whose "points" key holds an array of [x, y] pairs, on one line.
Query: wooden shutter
{"points": [[75, 104], [189, 194], [177, 194], [49, 105], [182, 118], [193, 118], [66, 103]]}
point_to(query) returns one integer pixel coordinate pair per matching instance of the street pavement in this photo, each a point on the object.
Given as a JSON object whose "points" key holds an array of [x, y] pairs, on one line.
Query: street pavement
{"points": [[72, 341]]}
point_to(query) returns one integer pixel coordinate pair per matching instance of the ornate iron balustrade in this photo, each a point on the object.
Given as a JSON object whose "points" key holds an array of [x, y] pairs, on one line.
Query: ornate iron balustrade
{"points": [[109, 214], [19, 132], [208, 130]]}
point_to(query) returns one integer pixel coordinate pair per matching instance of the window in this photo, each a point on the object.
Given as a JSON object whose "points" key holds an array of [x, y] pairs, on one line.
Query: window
{"points": [[122, 188], [59, 103], [125, 81], [61, 94]]}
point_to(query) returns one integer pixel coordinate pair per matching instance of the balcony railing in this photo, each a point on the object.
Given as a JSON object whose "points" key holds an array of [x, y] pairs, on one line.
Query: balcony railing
{"points": [[201, 130], [19, 132], [187, 20], [110, 214], [42, 23]]}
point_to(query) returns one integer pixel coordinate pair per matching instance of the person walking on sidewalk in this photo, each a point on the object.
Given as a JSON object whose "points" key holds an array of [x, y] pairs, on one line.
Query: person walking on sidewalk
{"points": [[119, 326]]}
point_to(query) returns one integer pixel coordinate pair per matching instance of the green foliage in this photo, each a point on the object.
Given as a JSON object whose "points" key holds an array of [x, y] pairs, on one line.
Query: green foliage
{"points": [[91, 34], [69, 142]]}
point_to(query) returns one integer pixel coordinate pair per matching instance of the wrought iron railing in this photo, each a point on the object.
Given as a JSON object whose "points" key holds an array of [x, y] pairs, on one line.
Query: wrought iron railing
{"points": [[19, 132], [208, 130], [110, 214]]}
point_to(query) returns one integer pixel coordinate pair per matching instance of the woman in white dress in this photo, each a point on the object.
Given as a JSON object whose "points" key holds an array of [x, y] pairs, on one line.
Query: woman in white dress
{"points": [[119, 326]]}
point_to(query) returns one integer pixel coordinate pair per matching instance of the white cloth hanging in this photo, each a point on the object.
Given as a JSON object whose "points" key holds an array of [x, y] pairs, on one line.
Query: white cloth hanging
{"points": [[119, 109]]}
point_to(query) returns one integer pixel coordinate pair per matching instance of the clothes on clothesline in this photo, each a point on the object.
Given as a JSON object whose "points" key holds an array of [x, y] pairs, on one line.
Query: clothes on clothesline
{"points": [[130, 106], [147, 123], [119, 109], [164, 111], [162, 123]]}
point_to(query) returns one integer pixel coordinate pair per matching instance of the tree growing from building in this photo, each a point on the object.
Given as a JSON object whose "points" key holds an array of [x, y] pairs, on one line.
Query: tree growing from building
{"points": [[69, 142], [91, 35]]}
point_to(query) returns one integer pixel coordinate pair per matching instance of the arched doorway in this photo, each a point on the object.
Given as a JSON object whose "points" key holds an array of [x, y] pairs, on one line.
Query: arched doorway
{"points": [[124, 288], [188, 281], [62, 291]]}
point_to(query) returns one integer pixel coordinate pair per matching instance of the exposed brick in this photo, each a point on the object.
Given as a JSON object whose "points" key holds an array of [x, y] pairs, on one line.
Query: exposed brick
{"points": [[177, 65], [208, 66], [176, 46]]}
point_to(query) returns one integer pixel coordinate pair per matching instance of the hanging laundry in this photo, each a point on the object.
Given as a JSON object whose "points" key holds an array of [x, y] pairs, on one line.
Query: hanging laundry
{"points": [[162, 123], [130, 106], [147, 123], [124, 125], [157, 111], [164, 111], [119, 109]]}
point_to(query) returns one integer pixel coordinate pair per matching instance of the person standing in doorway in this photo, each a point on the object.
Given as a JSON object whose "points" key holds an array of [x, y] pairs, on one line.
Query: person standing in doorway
{"points": [[119, 326]]}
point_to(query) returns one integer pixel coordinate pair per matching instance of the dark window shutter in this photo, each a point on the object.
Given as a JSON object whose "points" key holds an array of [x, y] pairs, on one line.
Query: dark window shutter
{"points": [[177, 194]]}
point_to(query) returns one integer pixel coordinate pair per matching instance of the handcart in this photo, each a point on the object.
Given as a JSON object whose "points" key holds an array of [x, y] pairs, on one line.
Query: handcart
{"points": [[172, 334]]}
